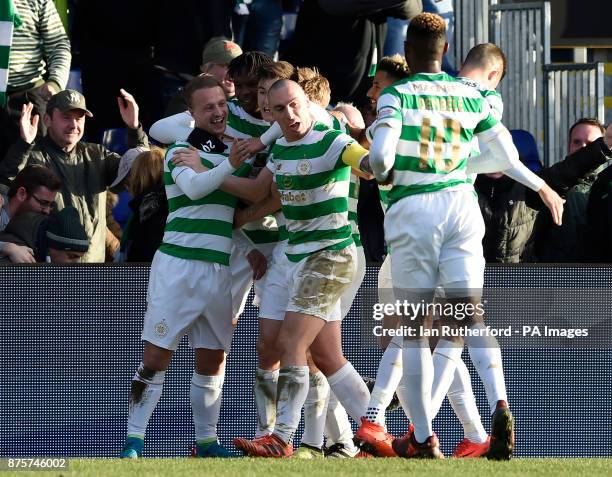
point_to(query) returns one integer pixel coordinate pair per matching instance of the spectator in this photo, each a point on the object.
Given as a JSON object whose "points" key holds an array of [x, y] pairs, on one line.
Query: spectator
{"points": [[39, 45], [396, 32], [145, 229], [59, 238], [510, 209], [569, 243], [348, 41], [184, 29], [217, 55], [260, 28], [33, 190], [113, 229], [599, 219], [85, 169]]}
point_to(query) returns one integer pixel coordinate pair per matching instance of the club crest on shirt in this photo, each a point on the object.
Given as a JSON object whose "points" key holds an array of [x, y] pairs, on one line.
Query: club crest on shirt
{"points": [[303, 167], [161, 328]]}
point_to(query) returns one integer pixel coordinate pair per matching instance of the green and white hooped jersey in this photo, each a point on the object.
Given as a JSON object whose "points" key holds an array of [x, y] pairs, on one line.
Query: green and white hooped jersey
{"points": [[383, 192], [199, 229], [241, 125], [354, 185], [438, 116], [352, 211], [314, 184], [493, 97]]}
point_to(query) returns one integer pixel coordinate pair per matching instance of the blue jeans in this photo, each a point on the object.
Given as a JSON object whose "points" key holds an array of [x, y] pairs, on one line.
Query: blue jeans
{"points": [[396, 31], [260, 30]]}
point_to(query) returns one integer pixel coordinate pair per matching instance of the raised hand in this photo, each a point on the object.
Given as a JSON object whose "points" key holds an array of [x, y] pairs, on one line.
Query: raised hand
{"points": [[128, 109], [28, 124]]}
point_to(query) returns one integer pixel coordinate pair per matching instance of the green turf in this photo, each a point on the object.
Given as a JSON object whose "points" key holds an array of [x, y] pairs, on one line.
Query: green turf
{"points": [[328, 467]]}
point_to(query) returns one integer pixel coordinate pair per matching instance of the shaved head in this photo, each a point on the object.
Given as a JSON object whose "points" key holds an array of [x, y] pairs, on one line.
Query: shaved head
{"points": [[285, 84], [290, 109]]}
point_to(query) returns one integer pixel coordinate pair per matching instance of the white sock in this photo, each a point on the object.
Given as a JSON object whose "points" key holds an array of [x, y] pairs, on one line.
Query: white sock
{"points": [[205, 395], [265, 400], [350, 390], [418, 379], [315, 410], [388, 377], [290, 396], [461, 398], [337, 426], [445, 358], [144, 395], [402, 391], [486, 357]]}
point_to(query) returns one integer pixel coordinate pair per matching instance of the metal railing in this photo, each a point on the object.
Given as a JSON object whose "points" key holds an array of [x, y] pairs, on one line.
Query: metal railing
{"points": [[522, 31], [471, 26], [572, 91]]}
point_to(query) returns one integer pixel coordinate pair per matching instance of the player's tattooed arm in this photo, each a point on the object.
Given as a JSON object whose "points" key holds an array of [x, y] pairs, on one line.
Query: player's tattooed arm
{"points": [[364, 165]]}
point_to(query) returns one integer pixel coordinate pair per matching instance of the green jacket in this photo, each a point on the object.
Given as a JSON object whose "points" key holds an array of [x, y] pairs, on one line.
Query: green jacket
{"points": [[569, 243], [510, 209], [85, 172]]}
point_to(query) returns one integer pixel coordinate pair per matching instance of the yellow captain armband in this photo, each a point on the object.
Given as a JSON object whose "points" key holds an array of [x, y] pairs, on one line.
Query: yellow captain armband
{"points": [[353, 154]]}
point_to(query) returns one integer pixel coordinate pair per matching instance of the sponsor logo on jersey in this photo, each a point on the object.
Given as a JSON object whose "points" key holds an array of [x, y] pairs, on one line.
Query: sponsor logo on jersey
{"points": [[293, 196]]}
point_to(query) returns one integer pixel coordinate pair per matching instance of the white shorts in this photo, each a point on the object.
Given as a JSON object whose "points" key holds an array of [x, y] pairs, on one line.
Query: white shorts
{"points": [[242, 277], [318, 281], [385, 282], [275, 292], [188, 297], [347, 298], [436, 239]]}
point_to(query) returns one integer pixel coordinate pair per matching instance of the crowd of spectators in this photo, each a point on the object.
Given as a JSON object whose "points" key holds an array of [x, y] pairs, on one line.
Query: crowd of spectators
{"points": [[56, 187]]}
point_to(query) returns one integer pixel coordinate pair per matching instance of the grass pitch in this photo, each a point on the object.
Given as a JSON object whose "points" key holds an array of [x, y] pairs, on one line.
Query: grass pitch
{"points": [[327, 467]]}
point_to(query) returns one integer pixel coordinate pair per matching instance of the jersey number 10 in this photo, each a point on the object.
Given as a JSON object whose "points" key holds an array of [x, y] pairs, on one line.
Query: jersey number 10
{"points": [[438, 163]]}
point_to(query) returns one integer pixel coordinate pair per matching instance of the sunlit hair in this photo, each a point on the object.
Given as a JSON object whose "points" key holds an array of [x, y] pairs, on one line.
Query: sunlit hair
{"points": [[395, 66], [487, 56], [204, 81], [147, 170]]}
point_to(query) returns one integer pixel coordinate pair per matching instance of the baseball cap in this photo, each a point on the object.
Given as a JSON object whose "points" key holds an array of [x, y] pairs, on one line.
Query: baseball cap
{"points": [[66, 232], [67, 100], [220, 50], [126, 163]]}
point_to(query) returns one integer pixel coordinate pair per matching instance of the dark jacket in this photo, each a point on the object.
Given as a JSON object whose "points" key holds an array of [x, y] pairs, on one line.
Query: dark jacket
{"points": [[344, 45], [86, 172], [145, 229], [569, 242], [510, 209], [599, 219], [29, 230]]}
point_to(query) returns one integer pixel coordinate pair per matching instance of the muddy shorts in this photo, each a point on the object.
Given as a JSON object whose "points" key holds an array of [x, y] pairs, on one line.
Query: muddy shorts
{"points": [[317, 282]]}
